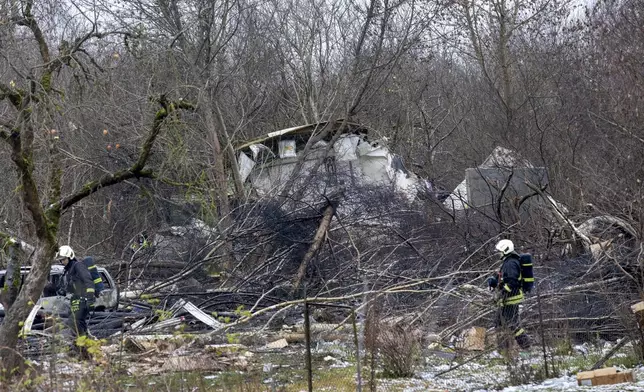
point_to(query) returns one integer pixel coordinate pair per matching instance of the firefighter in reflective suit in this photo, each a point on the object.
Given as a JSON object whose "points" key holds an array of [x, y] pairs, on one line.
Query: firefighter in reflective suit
{"points": [[509, 286], [78, 282]]}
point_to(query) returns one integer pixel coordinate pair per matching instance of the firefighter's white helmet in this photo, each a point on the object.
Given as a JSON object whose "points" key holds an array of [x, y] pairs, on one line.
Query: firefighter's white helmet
{"points": [[505, 247], [65, 251]]}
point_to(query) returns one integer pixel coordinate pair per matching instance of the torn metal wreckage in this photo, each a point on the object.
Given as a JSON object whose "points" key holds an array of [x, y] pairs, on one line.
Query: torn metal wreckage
{"points": [[45, 327], [339, 152]]}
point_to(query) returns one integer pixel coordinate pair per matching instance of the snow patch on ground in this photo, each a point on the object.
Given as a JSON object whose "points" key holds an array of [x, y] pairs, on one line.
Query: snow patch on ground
{"points": [[469, 377], [565, 383], [569, 383], [489, 374]]}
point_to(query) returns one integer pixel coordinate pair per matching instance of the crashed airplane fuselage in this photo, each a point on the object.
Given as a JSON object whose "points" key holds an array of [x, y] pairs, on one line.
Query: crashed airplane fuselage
{"points": [[343, 155]]}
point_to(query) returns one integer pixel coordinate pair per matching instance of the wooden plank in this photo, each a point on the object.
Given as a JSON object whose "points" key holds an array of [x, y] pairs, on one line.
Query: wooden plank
{"points": [[606, 376], [585, 378], [607, 379], [585, 375], [605, 371]]}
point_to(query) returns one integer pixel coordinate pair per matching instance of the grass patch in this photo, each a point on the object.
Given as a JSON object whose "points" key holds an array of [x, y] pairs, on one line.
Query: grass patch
{"points": [[573, 364], [626, 361], [336, 379], [344, 380], [194, 381]]}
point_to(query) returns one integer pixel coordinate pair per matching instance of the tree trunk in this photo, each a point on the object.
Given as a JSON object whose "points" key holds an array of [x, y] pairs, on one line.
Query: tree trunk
{"points": [[230, 151], [28, 296], [12, 277], [504, 59], [219, 171], [220, 180]]}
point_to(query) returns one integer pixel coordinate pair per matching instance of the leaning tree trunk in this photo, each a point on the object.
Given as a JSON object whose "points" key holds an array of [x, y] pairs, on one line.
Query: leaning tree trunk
{"points": [[28, 296], [318, 239]]}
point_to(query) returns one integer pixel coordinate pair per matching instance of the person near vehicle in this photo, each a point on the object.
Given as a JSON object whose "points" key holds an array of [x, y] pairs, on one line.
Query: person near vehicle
{"points": [[78, 281], [508, 284]]}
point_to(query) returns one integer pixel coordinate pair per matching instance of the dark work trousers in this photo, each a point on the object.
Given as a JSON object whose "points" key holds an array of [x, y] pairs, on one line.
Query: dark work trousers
{"points": [[78, 317], [508, 326]]}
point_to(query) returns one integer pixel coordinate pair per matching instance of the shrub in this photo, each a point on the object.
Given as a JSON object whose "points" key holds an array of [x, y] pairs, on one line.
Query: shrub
{"points": [[399, 349]]}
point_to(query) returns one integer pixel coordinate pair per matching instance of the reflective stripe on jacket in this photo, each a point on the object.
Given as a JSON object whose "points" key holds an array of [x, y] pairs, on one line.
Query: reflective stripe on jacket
{"points": [[96, 277], [510, 287]]}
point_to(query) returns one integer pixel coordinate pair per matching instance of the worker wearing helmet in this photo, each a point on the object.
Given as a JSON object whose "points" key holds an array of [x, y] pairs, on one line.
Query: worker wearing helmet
{"points": [[509, 286], [78, 282]]}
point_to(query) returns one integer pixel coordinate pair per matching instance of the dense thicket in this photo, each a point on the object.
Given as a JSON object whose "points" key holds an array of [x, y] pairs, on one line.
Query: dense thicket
{"points": [[444, 82]]}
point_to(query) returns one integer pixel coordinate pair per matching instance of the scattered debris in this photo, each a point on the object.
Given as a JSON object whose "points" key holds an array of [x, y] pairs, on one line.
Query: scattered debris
{"points": [[201, 316], [189, 363], [278, 344], [294, 337], [221, 349], [324, 327], [182, 314], [133, 346], [163, 325]]}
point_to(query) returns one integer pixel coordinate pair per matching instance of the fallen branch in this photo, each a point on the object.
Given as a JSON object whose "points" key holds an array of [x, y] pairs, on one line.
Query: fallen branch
{"points": [[318, 239], [612, 352]]}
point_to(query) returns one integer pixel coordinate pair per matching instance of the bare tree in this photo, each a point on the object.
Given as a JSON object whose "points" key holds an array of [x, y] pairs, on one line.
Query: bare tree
{"points": [[32, 100], [494, 32]]}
